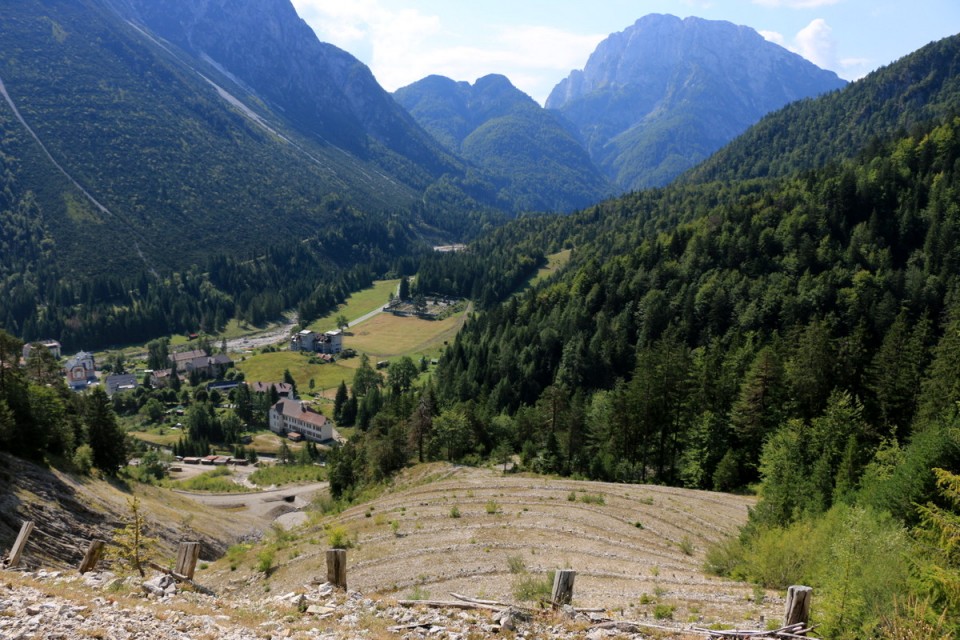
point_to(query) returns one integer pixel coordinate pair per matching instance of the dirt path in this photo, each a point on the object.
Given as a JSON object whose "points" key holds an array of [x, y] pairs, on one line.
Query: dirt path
{"points": [[279, 333], [267, 505]]}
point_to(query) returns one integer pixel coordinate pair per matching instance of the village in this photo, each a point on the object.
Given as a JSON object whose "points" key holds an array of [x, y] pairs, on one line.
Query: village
{"points": [[279, 422]]}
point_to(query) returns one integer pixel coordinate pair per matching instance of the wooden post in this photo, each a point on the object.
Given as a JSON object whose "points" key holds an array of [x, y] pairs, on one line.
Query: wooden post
{"points": [[187, 555], [337, 568], [14, 558], [563, 587], [797, 610], [92, 557]]}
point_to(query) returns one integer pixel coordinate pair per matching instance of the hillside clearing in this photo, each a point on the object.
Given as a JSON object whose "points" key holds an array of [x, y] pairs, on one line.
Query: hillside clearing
{"points": [[358, 304]]}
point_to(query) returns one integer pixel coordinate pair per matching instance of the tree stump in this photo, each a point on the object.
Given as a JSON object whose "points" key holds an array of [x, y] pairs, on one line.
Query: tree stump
{"points": [[187, 555], [14, 558], [563, 587], [337, 568], [797, 610], [92, 556]]}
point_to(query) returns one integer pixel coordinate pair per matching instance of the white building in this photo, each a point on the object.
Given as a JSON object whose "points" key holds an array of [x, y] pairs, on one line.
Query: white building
{"points": [[288, 416], [330, 342]]}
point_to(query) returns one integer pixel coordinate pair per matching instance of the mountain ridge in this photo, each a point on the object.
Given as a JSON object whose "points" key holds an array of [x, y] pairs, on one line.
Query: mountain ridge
{"points": [[654, 99], [538, 164]]}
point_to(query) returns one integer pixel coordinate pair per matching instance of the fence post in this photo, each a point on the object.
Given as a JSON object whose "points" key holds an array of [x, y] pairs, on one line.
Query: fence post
{"points": [[563, 587], [14, 558], [92, 556], [337, 568], [187, 555], [797, 610]]}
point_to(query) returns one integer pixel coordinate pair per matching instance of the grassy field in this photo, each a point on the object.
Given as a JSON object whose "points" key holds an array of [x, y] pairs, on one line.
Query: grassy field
{"points": [[554, 262], [169, 437], [358, 304], [388, 336], [382, 337], [269, 367]]}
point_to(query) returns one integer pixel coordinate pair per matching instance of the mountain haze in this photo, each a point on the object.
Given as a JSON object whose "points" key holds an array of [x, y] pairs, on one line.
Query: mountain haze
{"points": [[529, 150], [665, 93], [123, 140], [323, 91]]}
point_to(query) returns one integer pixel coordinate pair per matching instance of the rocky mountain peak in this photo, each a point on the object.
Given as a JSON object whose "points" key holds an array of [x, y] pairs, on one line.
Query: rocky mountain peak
{"points": [[691, 72]]}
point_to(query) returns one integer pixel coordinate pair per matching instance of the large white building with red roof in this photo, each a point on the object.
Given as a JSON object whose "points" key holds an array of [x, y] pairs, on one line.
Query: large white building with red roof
{"points": [[293, 416]]}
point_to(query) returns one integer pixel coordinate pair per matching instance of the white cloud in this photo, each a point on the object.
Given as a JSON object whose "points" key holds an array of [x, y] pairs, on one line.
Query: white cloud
{"points": [[402, 46], [774, 37], [796, 4], [815, 43], [854, 68]]}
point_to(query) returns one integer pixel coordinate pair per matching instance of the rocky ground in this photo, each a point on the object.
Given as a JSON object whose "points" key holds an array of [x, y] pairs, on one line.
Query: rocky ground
{"points": [[66, 606]]}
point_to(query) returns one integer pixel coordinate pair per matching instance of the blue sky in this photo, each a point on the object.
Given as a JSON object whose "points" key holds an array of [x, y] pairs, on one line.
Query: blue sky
{"points": [[536, 43]]}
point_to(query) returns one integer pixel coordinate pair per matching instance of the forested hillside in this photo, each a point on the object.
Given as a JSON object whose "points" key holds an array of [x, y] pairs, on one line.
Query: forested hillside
{"points": [[670, 352], [796, 335], [537, 163], [921, 87], [144, 192]]}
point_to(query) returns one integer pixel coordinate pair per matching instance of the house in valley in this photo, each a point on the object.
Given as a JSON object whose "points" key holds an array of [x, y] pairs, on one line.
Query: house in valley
{"points": [[293, 416], [50, 345], [81, 371], [330, 343], [284, 390], [188, 362], [120, 382]]}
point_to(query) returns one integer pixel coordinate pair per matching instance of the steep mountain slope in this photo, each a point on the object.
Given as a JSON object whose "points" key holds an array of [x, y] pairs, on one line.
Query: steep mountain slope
{"points": [[693, 321], [922, 86], [502, 130], [658, 97], [128, 145], [323, 91]]}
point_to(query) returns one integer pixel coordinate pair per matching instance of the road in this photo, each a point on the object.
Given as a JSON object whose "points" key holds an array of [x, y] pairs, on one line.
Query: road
{"points": [[367, 316], [262, 504]]}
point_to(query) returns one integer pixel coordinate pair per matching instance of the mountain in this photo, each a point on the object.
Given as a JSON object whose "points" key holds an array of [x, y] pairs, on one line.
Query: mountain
{"points": [[664, 94], [158, 156], [529, 150], [918, 88], [323, 91]]}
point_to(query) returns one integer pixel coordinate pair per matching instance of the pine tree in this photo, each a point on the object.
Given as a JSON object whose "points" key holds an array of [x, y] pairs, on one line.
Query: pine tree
{"points": [[339, 401], [132, 547], [104, 434]]}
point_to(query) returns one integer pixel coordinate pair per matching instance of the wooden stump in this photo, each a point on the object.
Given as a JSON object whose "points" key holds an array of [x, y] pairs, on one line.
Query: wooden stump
{"points": [[187, 555], [14, 558], [797, 610], [92, 556], [337, 568], [563, 587]]}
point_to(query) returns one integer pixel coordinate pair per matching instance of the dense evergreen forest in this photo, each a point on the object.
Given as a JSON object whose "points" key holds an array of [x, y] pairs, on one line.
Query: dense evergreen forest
{"points": [[797, 335]]}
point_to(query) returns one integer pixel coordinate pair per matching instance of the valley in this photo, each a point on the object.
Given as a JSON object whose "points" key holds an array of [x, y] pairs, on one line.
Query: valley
{"points": [[691, 328]]}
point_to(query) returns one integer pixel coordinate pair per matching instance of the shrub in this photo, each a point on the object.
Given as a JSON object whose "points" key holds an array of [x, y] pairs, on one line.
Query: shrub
{"points": [[454, 511], [724, 558], [530, 587], [265, 560], [516, 564], [83, 459], [418, 593], [595, 498], [339, 538], [686, 546], [664, 611], [492, 507]]}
